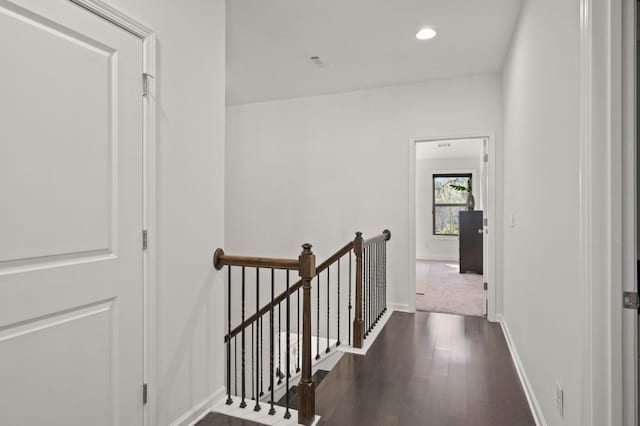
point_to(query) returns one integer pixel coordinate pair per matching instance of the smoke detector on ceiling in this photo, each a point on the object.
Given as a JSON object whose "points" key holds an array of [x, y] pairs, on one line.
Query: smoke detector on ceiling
{"points": [[317, 61]]}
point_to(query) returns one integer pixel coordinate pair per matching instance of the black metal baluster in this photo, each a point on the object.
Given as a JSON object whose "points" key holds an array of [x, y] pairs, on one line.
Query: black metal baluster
{"points": [[384, 260], [338, 342], [259, 361], [369, 309], [279, 371], [243, 375], [372, 286], [253, 369], [261, 356], [287, 414], [367, 263], [374, 283], [235, 362], [368, 323], [318, 321], [298, 335], [380, 269], [381, 287], [374, 255], [328, 307], [378, 304], [229, 400], [272, 410], [364, 291], [350, 307]]}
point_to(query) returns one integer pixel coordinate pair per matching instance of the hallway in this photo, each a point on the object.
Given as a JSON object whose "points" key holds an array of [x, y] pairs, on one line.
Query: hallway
{"points": [[427, 368], [424, 369]]}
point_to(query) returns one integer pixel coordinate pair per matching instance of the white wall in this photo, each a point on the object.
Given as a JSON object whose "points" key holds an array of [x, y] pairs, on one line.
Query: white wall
{"points": [[440, 247], [190, 94], [320, 168], [543, 297]]}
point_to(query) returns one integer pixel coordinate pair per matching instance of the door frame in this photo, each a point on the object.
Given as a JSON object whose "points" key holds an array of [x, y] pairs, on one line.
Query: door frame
{"points": [[607, 211], [149, 205], [495, 287], [628, 182]]}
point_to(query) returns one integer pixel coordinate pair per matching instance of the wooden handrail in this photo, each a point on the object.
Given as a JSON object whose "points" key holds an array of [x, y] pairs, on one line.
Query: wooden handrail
{"points": [[292, 289], [385, 236], [221, 259]]}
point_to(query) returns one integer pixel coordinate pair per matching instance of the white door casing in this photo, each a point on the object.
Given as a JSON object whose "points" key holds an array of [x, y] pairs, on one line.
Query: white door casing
{"points": [[71, 175], [490, 208], [484, 176]]}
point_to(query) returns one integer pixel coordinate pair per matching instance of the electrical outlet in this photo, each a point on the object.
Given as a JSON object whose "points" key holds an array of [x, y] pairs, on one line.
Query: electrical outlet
{"points": [[560, 399]]}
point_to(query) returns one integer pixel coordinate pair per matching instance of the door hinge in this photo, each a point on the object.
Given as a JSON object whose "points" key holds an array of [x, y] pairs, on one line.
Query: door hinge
{"points": [[486, 286], [485, 158], [145, 83], [145, 239], [485, 221], [144, 393], [630, 300]]}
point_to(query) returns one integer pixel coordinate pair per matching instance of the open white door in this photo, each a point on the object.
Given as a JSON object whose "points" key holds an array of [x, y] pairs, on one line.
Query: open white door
{"points": [[71, 179], [485, 215]]}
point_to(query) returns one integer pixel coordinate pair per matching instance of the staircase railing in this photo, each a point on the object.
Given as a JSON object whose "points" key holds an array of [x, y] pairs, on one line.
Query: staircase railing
{"points": [[367, 282]]}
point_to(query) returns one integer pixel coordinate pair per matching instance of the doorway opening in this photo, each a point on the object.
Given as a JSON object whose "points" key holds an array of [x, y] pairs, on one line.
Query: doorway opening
{"points": [[451, 196]]}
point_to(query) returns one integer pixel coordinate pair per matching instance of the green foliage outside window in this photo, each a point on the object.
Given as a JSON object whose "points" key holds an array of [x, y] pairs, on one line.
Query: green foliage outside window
{"points": [[449, 197]]}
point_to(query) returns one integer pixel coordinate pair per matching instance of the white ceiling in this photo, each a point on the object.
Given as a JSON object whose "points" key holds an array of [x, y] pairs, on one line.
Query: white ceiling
{"points": [[365, 43], [440, 150]]}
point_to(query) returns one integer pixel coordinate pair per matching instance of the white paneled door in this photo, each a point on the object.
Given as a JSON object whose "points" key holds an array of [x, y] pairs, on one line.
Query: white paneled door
{"points": [[71, 211]]}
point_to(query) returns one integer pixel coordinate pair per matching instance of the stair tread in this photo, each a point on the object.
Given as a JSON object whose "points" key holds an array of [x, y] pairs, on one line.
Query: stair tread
{"points": [[318, 377]]}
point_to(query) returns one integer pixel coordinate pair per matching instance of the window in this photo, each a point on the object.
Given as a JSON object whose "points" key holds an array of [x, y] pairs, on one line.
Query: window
{"points": [[448, 200]]}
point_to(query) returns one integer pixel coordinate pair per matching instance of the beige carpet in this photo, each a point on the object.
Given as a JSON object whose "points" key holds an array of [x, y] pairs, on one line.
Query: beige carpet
{"points": [[440, 287]]}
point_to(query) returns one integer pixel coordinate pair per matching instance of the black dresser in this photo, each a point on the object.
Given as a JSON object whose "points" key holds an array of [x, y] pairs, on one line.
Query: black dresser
{"points": [[471, 235]]}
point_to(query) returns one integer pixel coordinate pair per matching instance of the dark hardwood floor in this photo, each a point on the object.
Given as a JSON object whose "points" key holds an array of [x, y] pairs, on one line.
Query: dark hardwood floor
{"points": [[427, 369], [424, 369], [217, 419]]}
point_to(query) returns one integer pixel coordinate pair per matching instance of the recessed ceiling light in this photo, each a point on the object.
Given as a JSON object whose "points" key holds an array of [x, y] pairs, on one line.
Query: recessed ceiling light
{"points": [[426, 34]]}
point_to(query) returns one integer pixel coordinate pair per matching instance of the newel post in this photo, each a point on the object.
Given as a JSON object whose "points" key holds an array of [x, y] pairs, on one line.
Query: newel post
{"points": [[358, 331], [306, 388]]}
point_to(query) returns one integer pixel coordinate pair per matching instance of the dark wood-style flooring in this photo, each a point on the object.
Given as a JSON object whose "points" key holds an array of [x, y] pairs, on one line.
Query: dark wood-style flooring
{"points": [[424, 369], [217, 419], [427, 369]]}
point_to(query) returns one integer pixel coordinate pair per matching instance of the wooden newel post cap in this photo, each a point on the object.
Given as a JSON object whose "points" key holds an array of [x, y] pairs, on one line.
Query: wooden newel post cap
{"points": [[358, 235], [307, 262], [387, 233], [216, 258]]}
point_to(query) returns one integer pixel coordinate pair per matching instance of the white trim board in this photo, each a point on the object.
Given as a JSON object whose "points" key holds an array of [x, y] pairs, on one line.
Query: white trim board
{"points": [[399, 307], [261, 416], [370, 340], [534, 406], [436, 259], [149, 147]]}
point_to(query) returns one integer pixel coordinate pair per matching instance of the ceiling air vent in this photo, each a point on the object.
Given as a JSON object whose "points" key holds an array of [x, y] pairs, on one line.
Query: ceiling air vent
{"points": [[317, 61]]}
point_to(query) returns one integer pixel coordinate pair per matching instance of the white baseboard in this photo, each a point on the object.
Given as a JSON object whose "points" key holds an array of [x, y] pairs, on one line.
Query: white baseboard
{"points": [[193, 415], [536, 411], [400, 307], [262, 417], [371, 338], [438, 258]]}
